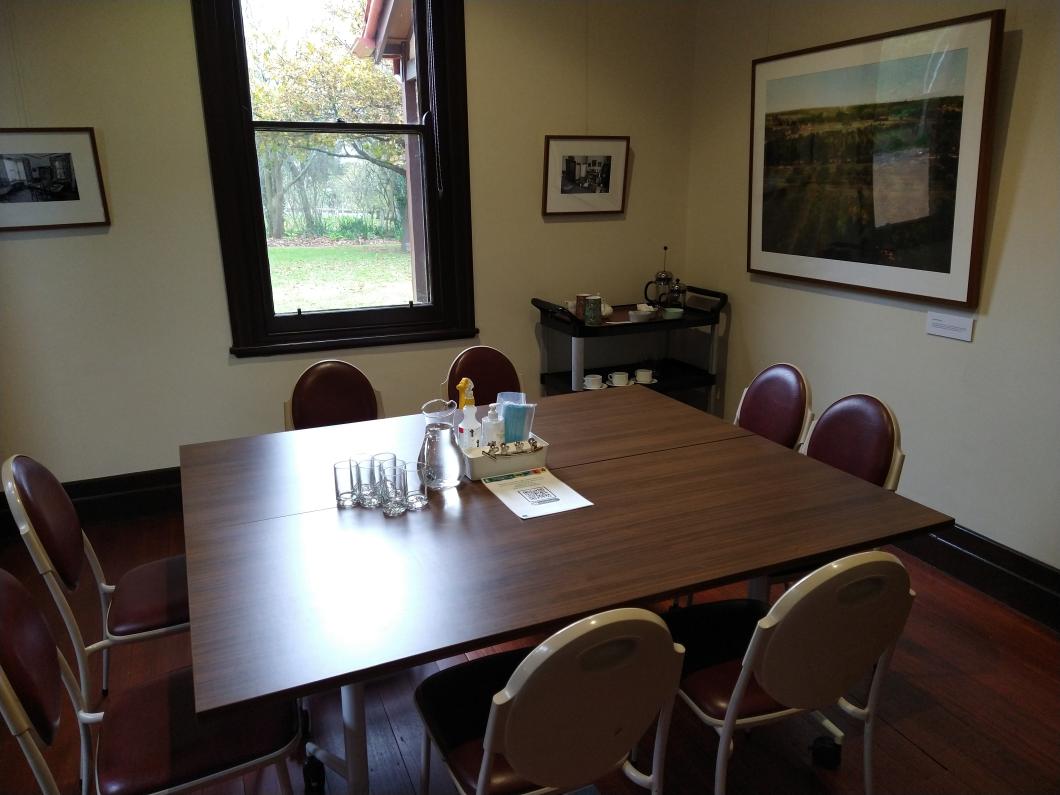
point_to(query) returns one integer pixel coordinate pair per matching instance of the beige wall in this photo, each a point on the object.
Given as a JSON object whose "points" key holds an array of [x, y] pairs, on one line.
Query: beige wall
{"points": [[116, 341], [979, 421]]}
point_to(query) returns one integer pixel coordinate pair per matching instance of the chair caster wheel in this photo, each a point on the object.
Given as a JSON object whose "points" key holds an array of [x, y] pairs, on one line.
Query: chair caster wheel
{"points": [[313, 776], [826, 753]]}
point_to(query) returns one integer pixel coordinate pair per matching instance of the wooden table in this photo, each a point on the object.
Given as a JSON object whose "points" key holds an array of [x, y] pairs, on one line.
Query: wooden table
{"points": [[290, 595]]}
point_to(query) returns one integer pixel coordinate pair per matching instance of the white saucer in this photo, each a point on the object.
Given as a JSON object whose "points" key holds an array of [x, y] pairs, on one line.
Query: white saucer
{"points": [[594, 388], [645, 383], [619, 386]]}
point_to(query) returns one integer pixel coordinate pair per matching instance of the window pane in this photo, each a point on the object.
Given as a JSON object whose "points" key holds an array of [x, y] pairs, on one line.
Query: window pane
{"points": [[305, 64], [343, 220]]}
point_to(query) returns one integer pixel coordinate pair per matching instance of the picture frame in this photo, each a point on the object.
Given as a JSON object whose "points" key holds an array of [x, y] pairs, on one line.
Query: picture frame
{"points": [[870, 161], [585, 174], [50, 178]]}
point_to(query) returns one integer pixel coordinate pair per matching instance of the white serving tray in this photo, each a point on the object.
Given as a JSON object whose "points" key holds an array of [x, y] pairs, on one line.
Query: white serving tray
{"points": [[478, 465]]}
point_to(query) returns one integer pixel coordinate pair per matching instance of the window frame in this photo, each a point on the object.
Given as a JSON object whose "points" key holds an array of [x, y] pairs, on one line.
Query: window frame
{"points": [[442, 87]]}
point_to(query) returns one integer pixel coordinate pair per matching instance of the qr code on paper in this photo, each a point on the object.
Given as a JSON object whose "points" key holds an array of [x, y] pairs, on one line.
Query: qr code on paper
{"points": [[538, 495]]}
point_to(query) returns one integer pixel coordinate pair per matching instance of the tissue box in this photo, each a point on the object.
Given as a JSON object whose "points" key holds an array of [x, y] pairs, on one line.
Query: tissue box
{"points": [[478, 465]]}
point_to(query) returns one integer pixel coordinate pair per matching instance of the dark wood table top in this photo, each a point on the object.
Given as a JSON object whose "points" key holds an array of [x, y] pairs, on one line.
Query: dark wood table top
{"points": [[304, 600]]}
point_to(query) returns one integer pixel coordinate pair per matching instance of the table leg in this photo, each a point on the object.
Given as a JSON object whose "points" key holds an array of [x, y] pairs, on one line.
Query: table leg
{"points": [[355, 766], [577, 364]]}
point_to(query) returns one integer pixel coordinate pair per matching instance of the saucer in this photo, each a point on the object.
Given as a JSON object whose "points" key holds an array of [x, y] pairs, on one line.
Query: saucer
{"points": [[619, 386], [594, 388], [646, 383]]}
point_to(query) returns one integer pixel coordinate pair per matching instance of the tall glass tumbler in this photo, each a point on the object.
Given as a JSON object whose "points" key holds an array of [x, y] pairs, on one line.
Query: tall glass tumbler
{"points": [[367, 480], [346, 483], [415, 485], [391, 488]]}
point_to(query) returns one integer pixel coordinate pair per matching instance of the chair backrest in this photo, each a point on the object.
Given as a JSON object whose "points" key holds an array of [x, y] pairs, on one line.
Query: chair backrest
{"points": [[776, 405], [581, 700], [824, 634], [30, 679], [46, 518], [332, 392], [489, 369], [859, 434]]}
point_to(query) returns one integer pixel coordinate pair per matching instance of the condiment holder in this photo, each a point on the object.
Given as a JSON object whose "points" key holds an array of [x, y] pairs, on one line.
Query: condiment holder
{"points": [[503, 459]]}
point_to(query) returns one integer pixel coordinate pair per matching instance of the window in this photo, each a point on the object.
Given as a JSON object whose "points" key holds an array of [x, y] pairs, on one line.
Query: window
{"points": [[338, 148]]}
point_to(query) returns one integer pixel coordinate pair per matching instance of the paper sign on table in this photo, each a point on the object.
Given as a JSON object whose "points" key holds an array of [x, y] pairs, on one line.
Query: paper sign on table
{"points": [[535, 492]]}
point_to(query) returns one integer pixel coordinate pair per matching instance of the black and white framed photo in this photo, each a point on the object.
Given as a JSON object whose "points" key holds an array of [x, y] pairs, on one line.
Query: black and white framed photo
{"points": [[49, 177], [870, 160], [585, 174]]}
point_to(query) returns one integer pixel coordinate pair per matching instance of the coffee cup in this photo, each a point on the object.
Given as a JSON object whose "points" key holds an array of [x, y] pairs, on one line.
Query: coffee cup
{"points": [[643, 376], [618, 379], [593, 381]]}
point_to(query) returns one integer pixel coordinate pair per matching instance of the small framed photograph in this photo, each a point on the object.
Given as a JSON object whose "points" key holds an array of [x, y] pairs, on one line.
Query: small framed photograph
{"points": [[585, 174], [870, 160], [49, 177]]}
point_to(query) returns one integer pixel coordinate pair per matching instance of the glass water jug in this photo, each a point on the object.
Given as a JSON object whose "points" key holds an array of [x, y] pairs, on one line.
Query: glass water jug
{"points": [[443, 463]]}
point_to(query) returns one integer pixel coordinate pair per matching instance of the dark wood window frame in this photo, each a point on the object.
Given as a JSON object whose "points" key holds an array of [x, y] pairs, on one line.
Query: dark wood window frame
{"points": [[256, 330]]}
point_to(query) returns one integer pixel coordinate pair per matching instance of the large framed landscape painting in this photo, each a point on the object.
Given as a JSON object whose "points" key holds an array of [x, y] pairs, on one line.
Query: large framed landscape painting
{"points": [[870, 160]]}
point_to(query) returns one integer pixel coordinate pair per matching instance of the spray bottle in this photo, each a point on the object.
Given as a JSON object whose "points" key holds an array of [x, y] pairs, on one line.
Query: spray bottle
{"points": [[469, 430]]}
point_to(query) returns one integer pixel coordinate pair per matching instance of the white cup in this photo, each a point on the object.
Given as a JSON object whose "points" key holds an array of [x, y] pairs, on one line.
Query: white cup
{"points": [[593, 381], [643, 376], [618, 379]]}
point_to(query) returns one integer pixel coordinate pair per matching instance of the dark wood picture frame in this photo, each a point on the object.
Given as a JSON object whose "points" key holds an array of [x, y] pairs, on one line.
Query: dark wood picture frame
{"points": [[590, 187], [56, 199], [870, 160]]}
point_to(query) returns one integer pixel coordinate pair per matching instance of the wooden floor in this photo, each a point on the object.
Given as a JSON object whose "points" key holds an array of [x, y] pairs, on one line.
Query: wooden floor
{"points": [[972, 704]]}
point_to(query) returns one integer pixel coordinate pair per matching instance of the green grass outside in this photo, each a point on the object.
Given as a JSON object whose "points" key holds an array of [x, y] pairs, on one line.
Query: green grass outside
{"points": [[339, 277]]}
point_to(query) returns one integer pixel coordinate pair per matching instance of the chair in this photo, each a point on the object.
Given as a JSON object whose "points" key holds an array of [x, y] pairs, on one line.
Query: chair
{"points": [[859, 434], [776, 405], [149, 601], [330, 392], [562, 715], [818, 641], [149, 739], [489, 369]]}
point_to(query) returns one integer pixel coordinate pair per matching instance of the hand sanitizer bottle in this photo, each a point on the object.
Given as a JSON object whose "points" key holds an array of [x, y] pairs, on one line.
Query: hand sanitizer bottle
{"points": [[469, 432], [492, 427]]}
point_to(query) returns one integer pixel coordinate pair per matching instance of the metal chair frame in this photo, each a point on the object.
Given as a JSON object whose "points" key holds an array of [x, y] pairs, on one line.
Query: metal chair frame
{"points": [[503, 701], [22, 729], [756, 652]]}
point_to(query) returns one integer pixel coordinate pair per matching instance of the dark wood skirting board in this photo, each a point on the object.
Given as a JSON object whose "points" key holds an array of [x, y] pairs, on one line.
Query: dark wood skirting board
{"points": [[1012, 578], [1022, 583], [115, 497]]}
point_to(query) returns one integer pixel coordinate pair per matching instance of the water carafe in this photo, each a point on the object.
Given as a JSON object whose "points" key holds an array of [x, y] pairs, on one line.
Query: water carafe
{"points": [[443, 463]]}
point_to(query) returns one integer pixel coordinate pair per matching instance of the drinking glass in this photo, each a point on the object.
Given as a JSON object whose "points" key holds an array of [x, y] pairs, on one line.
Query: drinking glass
{"points": [[346, 483], [391, 488], [367, 491], [415, 485]]}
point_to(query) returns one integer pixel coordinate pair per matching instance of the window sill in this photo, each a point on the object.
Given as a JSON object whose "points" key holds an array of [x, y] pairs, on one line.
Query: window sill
{"points": [[279, 348]]}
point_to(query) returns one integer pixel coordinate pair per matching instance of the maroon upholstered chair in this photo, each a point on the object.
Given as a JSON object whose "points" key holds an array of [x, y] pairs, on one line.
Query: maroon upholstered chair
{"points": [[330, 392], [150, 738], [150, 600], [859, 434], [489, 369], [776, 405]]}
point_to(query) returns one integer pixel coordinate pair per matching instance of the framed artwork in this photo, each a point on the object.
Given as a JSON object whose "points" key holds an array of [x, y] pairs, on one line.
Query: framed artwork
{"points": [[585, 174], [49, 177], [870, 160]]}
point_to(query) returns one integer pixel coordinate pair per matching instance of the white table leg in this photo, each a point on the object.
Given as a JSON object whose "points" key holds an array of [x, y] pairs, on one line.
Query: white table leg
{"points": [[353, 730], [355, 766], [577, 364]]}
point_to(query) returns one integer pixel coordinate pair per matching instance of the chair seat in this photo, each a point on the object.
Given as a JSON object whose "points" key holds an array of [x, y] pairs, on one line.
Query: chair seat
{"points": [[711, 688], [150, 596], [151, 738], [455, 704], [466, 760]]}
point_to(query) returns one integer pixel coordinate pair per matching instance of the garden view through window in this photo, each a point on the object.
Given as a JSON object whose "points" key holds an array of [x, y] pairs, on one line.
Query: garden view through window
{"points": [[342, 209]]}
